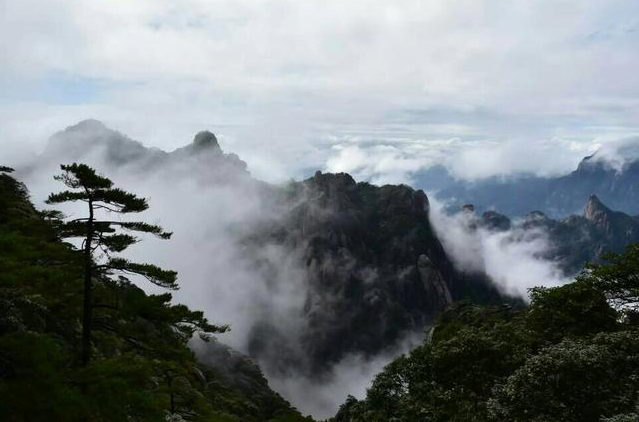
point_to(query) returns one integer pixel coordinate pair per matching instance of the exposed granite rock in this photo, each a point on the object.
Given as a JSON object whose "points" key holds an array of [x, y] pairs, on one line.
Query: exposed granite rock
{"points": [[433, 281], [493, 220], [375, 270]]}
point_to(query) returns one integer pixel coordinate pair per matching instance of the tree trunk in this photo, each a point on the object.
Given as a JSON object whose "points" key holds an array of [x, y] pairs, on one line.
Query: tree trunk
{"points": [[87, 314]]}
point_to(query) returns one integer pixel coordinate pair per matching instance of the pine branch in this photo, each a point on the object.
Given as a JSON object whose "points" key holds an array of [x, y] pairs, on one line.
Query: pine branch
{"points": [[154, 274]]}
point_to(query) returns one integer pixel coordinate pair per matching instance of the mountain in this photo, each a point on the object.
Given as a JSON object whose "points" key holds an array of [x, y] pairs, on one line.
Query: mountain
{"points": [[577, 239], [365, 258], [374, 269], [616, 183], [93, 141]]}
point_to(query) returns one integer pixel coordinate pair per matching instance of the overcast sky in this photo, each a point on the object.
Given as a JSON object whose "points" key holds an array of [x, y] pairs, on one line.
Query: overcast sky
{"points": [[380, 89]]}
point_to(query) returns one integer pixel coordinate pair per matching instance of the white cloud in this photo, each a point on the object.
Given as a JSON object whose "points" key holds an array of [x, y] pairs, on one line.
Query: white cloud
{"points": [[380, 164], [513, 259], [542, 157], [279, 78], [619, 153], [399, 160], [350, 376]]}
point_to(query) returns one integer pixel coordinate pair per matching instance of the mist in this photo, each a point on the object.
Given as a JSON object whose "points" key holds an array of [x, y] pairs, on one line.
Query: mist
{"points": [[513, 259], [351, 376]]}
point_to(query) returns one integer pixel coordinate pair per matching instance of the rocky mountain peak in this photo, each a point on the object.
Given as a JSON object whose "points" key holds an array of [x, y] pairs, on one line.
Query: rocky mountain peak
{"points": [[536, 216], [595, 210], [76, 142], [493, 220], [205, 139], [88, 125], [589, 164], [468, 208], [204, 142], [333, 179]]}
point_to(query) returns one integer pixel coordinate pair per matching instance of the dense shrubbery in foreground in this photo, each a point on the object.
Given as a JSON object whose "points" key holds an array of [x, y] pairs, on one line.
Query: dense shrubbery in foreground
{"points": [[138, 367], [572, 355]]}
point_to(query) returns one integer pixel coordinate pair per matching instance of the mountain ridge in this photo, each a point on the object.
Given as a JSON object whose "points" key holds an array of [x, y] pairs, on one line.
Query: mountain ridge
{"points": [[574, 240], [615, 181]]}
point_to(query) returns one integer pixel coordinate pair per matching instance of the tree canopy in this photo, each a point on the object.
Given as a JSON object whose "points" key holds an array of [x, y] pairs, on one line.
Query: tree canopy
{"points": [[571, 355]]}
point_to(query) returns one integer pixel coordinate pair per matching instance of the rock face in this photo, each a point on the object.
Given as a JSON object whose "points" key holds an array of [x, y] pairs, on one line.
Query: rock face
{"points": [[493, 220], [433, 281], [375, 270], [205, 139], [618, 228]]}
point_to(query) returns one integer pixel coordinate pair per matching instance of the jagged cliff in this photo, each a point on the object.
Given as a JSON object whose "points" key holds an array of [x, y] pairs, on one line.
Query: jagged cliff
{"points": [[375, 270]]}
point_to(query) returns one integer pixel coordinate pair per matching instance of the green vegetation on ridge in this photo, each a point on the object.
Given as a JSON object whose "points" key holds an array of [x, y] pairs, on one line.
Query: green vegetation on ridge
{"points": [[140, 368]]}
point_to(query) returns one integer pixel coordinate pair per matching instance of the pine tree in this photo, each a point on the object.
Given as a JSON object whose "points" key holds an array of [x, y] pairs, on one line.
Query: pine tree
{"points": [[106, 236]]}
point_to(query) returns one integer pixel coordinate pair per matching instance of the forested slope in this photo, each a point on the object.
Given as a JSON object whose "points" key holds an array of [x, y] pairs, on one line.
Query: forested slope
{"points": [[141, 370]]}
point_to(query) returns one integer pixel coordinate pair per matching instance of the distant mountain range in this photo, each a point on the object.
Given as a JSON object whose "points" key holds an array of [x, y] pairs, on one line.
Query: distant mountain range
{"points": [[616, 185], [577, 239]]}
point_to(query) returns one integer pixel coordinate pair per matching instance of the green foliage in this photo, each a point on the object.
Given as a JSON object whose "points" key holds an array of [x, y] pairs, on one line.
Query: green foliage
{"points": [[618, 279], [33, 365], [578, 380], [141, 370], [567, 357], [154, 274], [576, 309], [99, 194]]}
